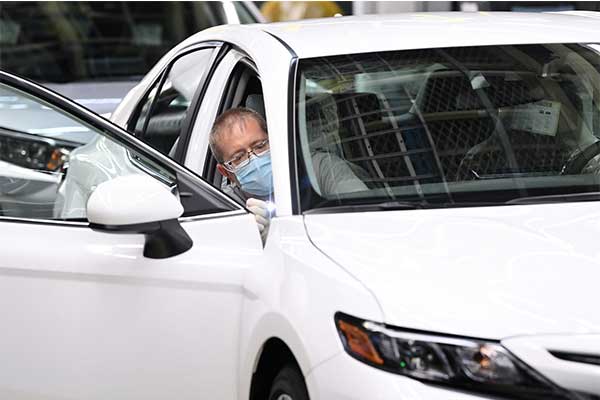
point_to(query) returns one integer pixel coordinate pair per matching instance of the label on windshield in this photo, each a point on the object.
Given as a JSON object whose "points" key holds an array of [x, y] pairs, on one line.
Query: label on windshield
{"points": [[540, 117], [9, 32]]}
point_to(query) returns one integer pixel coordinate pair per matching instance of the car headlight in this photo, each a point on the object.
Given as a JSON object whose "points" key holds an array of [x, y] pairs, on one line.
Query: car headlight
{"points": [[463, 363], [40, 154]]}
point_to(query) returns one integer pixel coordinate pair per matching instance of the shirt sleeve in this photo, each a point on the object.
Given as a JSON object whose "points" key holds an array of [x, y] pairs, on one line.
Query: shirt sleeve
{"points": [[335, 175]]}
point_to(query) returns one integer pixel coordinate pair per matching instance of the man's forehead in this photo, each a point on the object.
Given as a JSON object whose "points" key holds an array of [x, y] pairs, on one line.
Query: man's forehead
{"points": [[239, 135], [244, 127]]}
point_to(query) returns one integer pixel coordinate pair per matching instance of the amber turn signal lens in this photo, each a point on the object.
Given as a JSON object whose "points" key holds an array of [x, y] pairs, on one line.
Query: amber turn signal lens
{"points": [[57, 159], [358, 342]]}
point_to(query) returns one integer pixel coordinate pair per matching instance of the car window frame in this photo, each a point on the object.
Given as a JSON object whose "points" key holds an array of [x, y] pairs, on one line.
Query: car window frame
{"points": [[188, 124], [241, 67], [125, 139], [159, 81]]}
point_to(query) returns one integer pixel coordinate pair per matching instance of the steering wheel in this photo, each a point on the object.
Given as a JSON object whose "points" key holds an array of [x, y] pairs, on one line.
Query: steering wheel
{"points": [[576, 163]]}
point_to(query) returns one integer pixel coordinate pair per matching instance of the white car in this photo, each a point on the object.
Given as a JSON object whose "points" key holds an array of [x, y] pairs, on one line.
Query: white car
{"points": [[463, 266]]}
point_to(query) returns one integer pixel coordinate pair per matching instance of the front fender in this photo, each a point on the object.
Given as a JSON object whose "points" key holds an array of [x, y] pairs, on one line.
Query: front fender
{"points": [[294, 296]]}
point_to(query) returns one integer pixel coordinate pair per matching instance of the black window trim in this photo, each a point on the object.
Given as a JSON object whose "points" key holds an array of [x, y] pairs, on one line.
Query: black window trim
{"points": [[293, 138], [120, 136]]}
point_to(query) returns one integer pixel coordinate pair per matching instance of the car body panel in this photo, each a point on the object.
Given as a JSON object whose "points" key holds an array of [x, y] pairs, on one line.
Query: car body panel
{"points": [[87, 315], [293, 297], [346, 35], [535, 351], [119, 324], [96, 162], [336, 378], [487, 272]]}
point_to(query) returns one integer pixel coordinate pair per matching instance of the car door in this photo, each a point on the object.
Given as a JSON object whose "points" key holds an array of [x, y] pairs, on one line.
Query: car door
{"points": [[85, 315]]}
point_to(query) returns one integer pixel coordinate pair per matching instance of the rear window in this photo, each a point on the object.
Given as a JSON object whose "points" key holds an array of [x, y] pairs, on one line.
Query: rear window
{"points": [[450, 126]]}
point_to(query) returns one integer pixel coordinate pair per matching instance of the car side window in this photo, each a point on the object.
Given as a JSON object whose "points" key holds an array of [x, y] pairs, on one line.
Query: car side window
{"points": [[51, 162], [161, 115]]}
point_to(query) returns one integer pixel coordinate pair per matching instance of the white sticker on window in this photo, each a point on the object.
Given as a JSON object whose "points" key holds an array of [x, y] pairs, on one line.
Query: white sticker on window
{"points": [[9, 32], [147, 34], [540, 117]]}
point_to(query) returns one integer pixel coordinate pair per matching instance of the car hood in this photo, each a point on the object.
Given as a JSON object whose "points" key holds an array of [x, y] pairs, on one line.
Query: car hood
{"points": [[487, 272], [101, 97]]}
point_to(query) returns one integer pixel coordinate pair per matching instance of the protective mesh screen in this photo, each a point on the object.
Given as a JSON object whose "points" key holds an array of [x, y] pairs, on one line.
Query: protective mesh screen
{"points": [[436, 115]]}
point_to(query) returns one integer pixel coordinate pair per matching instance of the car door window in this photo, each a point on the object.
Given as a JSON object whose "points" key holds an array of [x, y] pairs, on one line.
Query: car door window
{"points": [[48, 171], [161, 115]]}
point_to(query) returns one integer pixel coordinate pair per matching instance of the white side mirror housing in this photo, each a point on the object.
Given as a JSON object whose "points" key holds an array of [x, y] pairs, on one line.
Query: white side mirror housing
{"points": [[140, 204], [132, 199]]}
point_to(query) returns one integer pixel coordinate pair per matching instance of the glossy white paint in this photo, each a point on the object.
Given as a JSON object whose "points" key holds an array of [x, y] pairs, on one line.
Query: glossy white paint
{"points": [[343, 378], [105, 322], [293, 296], [132, 199], [422, 30], [90, 165], [196, 324], [534, 350], [488, 272]]}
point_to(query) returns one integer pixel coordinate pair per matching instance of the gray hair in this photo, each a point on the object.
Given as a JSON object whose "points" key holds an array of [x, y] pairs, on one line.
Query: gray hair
{"points": [[225, 121]]}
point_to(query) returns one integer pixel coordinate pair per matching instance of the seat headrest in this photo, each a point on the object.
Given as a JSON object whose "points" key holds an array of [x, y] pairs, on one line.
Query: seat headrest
{"points": [[256, 102], [322, 121]]}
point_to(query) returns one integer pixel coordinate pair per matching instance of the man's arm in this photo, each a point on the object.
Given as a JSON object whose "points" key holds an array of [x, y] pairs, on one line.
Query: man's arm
{"points": [[335, 175]]}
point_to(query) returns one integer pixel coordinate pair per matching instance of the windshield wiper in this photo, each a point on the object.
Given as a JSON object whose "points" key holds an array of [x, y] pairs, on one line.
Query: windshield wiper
{"points": [[399, 205], [383, 206], [556, 198]]}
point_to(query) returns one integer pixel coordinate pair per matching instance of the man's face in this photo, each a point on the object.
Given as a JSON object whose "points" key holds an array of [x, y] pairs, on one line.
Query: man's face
{"points": [[239, 140]]}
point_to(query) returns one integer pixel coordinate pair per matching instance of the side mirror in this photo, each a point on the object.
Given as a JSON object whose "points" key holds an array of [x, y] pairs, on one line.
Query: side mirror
{"points": [[140, 204]]}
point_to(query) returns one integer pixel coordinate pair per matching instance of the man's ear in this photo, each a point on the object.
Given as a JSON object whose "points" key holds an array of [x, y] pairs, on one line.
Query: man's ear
{"points": [[228, 174], [222, 170]]}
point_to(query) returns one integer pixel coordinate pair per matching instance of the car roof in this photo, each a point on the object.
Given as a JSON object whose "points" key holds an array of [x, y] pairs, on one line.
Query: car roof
{"points": [[362, 34], [319, 37]]}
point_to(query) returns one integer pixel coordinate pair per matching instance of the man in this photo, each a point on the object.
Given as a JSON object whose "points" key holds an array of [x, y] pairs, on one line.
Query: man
{"points": [[240, 144]]}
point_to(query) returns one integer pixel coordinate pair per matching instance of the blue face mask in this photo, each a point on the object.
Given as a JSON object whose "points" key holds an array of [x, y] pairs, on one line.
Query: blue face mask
{"points": [[256, 177]]}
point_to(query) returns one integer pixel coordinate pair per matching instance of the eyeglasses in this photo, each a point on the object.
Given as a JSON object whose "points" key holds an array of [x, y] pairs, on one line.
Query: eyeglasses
{"points": [[242, 158]]}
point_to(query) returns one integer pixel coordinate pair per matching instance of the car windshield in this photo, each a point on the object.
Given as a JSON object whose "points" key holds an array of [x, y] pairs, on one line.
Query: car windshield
{"points": [[449, 126], [59, 42]]}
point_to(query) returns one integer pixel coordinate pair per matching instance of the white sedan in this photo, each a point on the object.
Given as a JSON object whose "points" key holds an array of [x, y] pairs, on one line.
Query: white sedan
{"points": [[465, 267]]}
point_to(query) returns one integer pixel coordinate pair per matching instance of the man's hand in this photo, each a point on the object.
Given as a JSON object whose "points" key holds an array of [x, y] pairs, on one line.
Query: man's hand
{"points": [[261, 215]]}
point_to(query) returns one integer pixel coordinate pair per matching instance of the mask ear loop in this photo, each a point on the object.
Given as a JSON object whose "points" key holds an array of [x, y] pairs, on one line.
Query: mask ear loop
{"points": [[269, 200]]}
